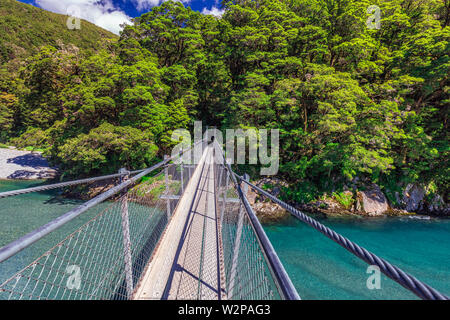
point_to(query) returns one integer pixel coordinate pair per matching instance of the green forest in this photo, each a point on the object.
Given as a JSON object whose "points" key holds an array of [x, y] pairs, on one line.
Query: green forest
{"points": [[353, 104]]}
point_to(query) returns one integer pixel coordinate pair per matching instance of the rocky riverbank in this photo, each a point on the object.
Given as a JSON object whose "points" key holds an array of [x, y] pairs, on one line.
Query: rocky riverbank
{"points": [[370, 202], [26, 165]]}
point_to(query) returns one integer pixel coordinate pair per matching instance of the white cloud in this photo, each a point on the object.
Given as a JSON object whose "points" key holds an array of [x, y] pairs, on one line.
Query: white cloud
{"points": [[148, 4], [213, 11], [100, 12]]}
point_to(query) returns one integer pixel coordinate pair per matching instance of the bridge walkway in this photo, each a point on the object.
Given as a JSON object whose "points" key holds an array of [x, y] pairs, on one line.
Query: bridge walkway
{"points": [[187, 263], [134, 246]]}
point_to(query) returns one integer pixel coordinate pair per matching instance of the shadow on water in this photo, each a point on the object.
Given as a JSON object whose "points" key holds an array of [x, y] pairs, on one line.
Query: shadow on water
{"points": [[60, 200], [20, 181]]}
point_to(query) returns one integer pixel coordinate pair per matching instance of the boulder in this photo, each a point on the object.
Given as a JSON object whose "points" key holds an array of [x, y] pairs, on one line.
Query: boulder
{"points": [[266, 211], [437, 204], [269, 212], [413, 197], [251, 196], [372, 201]]}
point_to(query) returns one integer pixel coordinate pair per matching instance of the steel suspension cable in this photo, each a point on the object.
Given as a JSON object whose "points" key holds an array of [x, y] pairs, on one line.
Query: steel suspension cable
{"points": [[409, 282], [63, 184], [16, 246], [276, 267]]}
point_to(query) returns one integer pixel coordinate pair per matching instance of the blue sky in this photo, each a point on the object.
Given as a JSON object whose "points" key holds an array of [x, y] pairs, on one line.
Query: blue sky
{"points": [[109, 14]]}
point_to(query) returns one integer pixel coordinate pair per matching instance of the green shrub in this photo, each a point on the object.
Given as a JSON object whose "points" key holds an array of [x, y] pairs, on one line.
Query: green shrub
{"points": [[106, 149], [303, 192], [30, 148], [344, 199], [31, 139]]}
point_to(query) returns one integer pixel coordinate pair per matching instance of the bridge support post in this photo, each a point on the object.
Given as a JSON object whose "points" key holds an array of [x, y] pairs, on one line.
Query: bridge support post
{"points": [[182, 173], [126, 237], [166, 174], [218, 187], [237, 244], [224, 198]]}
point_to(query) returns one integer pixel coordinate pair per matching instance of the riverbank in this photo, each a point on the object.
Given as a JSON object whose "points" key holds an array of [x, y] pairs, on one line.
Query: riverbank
{"points": [[368, 202], [24, 165]]}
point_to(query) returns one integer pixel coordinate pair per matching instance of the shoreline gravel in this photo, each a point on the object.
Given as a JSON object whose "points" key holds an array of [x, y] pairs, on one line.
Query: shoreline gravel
{"points": [[24, 165]]}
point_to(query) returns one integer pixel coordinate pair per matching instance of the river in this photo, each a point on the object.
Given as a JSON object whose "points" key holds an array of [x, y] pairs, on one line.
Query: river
{"points": [[319, 268]]}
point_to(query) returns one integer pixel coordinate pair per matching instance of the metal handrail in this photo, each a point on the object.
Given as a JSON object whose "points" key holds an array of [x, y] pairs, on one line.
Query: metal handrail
{"points": [[409, 282], [16, 246], [282, 280], [63, 184]]}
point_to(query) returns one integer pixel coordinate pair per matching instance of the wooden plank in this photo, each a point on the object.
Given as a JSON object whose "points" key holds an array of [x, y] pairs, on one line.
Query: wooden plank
{"points": [[196, 275], [154, 281]]}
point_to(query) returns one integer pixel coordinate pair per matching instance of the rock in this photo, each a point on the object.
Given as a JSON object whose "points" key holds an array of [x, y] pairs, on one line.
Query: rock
{"points": [[330, 204], [358, 207], [373, 201], [20, 164], [276, 191], [437, 203], [266, 211], [399, 212], [251, 196], [269, 212], [413, 196]]}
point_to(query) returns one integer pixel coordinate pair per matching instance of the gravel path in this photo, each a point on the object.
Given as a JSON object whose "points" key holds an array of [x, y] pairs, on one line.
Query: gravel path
{"points": [[18, 164]]}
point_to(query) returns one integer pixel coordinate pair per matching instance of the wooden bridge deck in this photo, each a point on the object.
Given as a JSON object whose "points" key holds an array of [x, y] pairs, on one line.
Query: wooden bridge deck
{"points": [[187, 264]]}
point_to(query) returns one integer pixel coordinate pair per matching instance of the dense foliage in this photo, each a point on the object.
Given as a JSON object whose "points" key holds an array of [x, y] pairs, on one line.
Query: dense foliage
{"points": [[24, 28], [353, 104]]}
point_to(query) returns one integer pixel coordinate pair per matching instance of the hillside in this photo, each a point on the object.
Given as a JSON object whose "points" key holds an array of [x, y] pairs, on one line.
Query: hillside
{"points": [[354, 106], [24, 28]]}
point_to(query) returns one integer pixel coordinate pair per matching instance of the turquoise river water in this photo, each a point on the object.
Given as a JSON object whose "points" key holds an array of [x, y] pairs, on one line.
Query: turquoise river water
{"points": [[318, 267]]}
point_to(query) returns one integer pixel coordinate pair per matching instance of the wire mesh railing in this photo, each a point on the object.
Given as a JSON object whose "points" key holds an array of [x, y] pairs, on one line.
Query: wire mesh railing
{"points": [[406, 280], [251, 269], [105, 257]]}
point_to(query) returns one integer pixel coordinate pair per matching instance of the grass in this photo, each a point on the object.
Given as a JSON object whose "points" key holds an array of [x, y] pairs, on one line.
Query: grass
{"points": [[345, 200], [154, 187], [152, 179]]}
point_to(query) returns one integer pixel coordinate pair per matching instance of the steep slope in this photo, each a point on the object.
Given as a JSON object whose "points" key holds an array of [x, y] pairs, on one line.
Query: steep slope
{"points": [[24, 28]]}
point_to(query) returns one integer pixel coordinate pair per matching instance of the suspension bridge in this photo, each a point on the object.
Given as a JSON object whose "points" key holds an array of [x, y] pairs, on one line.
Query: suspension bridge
{"points": [[171, 231]]}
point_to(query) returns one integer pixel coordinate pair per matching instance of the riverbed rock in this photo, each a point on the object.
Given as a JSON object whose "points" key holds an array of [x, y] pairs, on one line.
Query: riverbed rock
{"points": [[269, 212], [436, 204], [413, 197], [266, 211], [372, 201]]}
